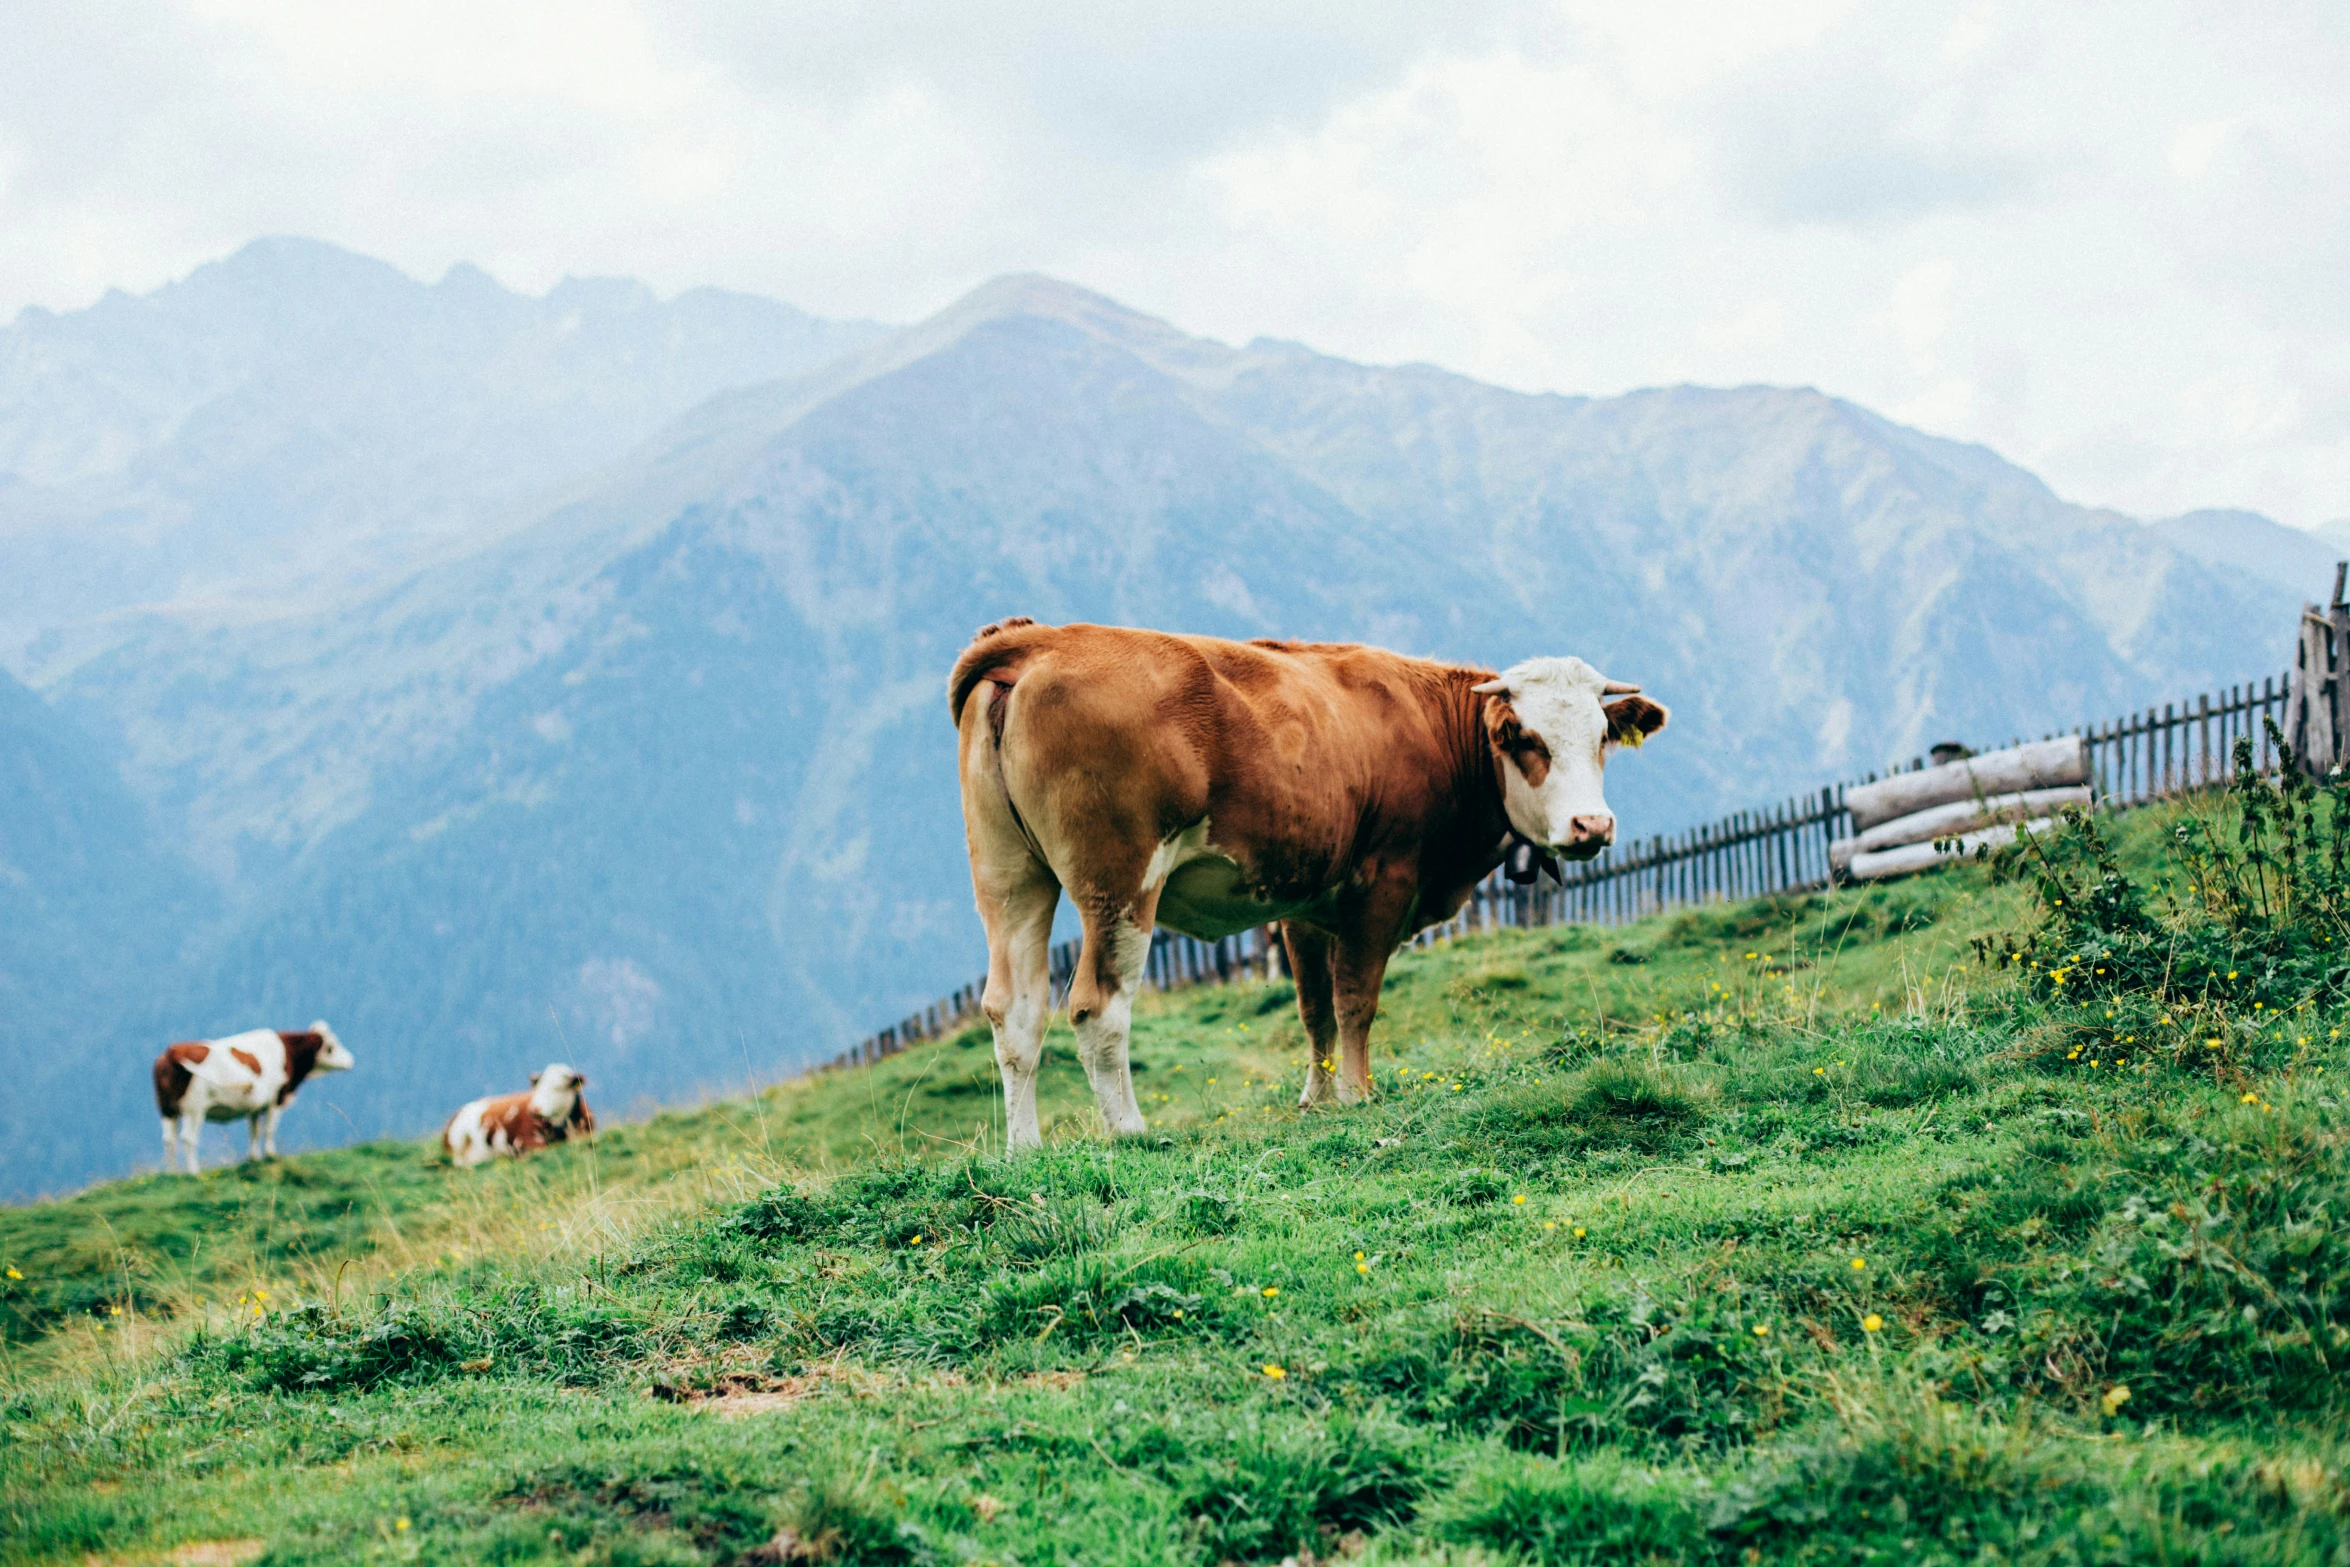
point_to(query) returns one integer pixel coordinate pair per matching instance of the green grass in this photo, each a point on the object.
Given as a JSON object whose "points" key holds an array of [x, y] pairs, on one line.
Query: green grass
{"points": [[1775, 1232]]}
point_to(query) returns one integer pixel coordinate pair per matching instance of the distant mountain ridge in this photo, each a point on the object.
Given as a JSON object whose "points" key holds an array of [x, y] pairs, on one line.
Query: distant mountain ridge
{"points": [[299, 420], [661, 780]]}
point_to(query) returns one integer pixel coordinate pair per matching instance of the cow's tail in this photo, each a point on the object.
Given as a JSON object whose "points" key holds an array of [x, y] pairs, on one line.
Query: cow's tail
{"points": [[988, 670], [997, 653]]}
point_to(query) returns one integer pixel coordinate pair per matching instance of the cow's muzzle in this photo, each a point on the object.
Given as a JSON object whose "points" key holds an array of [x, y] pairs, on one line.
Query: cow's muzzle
{"points": [[1587, 835]]}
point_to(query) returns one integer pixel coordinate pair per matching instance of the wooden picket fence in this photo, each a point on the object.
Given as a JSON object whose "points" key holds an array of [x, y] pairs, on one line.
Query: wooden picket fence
{"points": [[2138, 757], [2185, 745]]}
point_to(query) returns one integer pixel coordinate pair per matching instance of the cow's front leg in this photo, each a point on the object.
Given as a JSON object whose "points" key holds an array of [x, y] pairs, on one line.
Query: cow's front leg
{"points": [[1310, 954], [191, 1128], [253, 1137], [171, 1145], [1101, 1009], [1360, 969]]}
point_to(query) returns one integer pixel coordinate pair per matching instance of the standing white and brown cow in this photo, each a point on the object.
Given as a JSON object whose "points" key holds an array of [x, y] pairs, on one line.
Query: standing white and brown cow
{"points": [[552, 1111], [1354, 795], [249, 1077]]}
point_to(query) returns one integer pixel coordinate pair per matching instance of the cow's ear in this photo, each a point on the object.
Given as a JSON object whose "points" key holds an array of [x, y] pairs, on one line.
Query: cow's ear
{"points": [[534, 1078], [1634, 719], [1502, 725]]}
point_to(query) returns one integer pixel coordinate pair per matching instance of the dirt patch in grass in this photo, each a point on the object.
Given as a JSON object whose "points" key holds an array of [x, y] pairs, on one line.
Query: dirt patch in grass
{"points": [[218, 1553], [742, 1403]]}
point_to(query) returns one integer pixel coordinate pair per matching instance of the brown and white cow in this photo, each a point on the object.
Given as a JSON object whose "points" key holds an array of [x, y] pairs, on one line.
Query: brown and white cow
{"points": [[1354, 795], [552, 1111], [249, 1077]]}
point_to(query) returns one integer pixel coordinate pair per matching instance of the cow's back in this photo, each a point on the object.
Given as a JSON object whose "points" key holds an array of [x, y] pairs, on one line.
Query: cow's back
{"points": [[233, 1076], [1296, 754]]}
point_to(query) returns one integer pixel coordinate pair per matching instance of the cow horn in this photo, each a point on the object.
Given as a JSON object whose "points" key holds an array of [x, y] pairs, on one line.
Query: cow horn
{"points": [[1618, 688], [1494, 687]]}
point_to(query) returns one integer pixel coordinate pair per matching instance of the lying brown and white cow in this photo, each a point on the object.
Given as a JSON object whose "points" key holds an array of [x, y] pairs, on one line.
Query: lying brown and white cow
{"points": [[1355, 795], [249, 1077], [551, 1112]]}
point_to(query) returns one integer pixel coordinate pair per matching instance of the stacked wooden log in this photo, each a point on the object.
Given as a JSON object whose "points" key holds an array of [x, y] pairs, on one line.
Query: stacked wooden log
{"points": [[1897, 821]]}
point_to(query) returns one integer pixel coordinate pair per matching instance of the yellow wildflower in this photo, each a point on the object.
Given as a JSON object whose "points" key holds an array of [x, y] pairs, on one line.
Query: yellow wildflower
{"points": [[1275, 1372], [2116, 1396], [1871, 1323], [1859, 1263]]}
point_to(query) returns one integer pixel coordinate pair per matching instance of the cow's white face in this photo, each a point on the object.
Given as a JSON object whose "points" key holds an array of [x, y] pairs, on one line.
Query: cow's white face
{"points": [[332, 1057], [1553, 726], [555, 1081]]}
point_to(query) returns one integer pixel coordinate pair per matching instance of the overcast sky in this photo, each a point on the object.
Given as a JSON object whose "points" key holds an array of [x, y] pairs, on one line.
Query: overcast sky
{"points": [[2110, 240]]}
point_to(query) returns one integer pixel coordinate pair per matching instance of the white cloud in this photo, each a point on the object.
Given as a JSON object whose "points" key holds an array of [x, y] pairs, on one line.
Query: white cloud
{"points": [[2105, 239]]}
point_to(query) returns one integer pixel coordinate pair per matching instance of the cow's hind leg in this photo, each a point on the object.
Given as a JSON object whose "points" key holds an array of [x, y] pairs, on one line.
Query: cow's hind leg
{"points": [[191, 1128], [269, 1131], [1101, 1006], [1017, 892], [1018, 1000], [171, 1146], [1310, 956]]}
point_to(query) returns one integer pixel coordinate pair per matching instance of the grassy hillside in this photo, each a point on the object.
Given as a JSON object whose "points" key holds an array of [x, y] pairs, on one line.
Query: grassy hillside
{"points": [[1803, 1230]]}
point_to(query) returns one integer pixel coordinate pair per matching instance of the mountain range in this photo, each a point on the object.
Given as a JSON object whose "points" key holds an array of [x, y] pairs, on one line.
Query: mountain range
{"points": [[507, 679]]}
